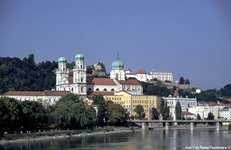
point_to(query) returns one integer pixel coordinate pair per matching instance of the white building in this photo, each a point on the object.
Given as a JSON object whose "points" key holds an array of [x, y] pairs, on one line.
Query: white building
{"points": [[185, 103], [82, 85], [141, 75], [46, 98], [203, 111], [225, 113]]}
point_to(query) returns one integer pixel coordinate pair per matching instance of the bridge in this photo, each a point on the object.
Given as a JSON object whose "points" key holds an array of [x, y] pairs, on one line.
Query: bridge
{"points": [[145, 123]]}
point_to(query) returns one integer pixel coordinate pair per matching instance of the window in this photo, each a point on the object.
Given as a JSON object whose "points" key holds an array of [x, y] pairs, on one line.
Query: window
{"points": [[105, 89], [81, 90], [89, 89], [97, 89], [112, 90]]}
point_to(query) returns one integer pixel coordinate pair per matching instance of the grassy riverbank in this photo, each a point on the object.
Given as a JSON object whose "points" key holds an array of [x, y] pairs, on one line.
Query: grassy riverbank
{"points": [[23, 137]]}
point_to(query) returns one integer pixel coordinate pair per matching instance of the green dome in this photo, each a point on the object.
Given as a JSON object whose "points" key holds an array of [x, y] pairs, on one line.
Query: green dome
{"points": [[117, 65], [62, 60], [79, 56]]}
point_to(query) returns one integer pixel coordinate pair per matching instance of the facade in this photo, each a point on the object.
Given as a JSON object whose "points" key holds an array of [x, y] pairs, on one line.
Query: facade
{"points": [[81, 85], [130, 101], [225, 113], [185, 103], [47, 98], [141, 75], [75, 84], [203, 111]]}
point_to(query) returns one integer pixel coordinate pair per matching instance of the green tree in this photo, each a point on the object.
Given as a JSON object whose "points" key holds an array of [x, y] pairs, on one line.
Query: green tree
{"points": [[71, 113], [198, 117], [12, 119], [139, 109], [3, 112], [164, 109], [182, 81], [34, 115], [102, 109], [154, 114], [187, 81], [117, 115], [178, 111], [210, 116]]}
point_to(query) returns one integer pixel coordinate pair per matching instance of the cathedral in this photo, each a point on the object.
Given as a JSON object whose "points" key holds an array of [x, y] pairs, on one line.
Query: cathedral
{"points": [[83, 86]]}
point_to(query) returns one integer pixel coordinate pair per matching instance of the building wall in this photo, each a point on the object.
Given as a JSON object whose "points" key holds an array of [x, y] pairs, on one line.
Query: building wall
{"points": [[130, 102], [184, 102], [225, 113]]}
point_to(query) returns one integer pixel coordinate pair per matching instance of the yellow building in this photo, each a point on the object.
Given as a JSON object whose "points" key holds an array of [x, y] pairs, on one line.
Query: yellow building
{"points": [[130, 102]]}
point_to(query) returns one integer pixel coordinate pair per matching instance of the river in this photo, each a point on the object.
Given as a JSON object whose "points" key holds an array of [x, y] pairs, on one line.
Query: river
{"points": [[175, 139]]}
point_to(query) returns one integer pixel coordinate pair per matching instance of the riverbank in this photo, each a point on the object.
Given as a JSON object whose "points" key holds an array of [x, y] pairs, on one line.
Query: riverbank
{"points": [[39, 136]]}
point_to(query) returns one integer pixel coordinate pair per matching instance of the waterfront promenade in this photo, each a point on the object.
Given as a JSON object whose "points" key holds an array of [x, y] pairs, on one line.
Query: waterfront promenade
{"points": [[193, 123]]}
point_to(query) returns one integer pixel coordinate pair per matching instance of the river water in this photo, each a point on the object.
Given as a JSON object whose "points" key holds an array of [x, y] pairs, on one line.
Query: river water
{"points": [[174, 139]]}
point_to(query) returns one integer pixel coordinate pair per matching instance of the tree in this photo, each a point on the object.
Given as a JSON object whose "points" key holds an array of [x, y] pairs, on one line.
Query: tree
{"points": [[71, 113], [102, 109], [187, 81], [164, 109], [178, 111], [34, 115], [12, 119], [139, 112], [182, 81], [117, 115], [198, 117], [154, 114], [210, 116]]}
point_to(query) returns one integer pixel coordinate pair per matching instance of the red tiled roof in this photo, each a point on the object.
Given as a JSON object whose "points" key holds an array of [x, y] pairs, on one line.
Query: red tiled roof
{"points": [[131, 73], [185, 113], [93, 93], [130, 81], [141, 72], [56, 93], [23, 93], [100, 81], [36, 93]]}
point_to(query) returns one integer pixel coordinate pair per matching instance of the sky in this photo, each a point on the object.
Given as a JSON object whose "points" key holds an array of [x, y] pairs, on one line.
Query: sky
{"points": [[192, 39]]}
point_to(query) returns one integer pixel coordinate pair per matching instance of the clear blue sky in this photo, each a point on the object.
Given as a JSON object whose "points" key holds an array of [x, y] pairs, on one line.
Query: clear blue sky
{"points": [[189, 38]]}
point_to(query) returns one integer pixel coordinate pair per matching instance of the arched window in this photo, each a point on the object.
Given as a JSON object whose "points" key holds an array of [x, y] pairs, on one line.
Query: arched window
{"points": [[105, 89], [89, 89], [112, 90], [97, 89], [81, 89]]}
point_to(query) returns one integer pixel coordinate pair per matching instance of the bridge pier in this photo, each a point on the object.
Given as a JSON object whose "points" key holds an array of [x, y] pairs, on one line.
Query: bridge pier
{"points": [[218, 126], [166, 126], [192, 125], [145, 125]]}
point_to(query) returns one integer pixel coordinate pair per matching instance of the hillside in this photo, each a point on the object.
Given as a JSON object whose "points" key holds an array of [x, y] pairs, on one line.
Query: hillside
{"points": [[26, 75]]}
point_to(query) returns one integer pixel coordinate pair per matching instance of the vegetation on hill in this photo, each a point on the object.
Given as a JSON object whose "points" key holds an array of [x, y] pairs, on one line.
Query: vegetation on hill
{"points": [[214, 95], [26, 75]]}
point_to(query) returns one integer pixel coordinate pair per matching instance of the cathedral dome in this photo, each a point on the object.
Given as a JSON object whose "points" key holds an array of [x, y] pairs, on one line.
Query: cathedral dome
{"points": [[117, 65], [79, 56], [62, 60]]}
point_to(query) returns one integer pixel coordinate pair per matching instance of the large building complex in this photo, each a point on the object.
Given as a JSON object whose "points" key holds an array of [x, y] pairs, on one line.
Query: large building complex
{"points": [[46, 98], [82, 85], [141, 75]]}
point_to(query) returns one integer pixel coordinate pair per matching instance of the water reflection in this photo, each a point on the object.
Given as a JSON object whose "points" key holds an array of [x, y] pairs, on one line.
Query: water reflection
{"points": [[175, 139]]}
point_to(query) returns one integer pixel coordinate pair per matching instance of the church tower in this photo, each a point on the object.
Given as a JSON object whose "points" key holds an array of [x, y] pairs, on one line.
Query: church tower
{"points": [[117, 71], [62, 73], [80, 76]]}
